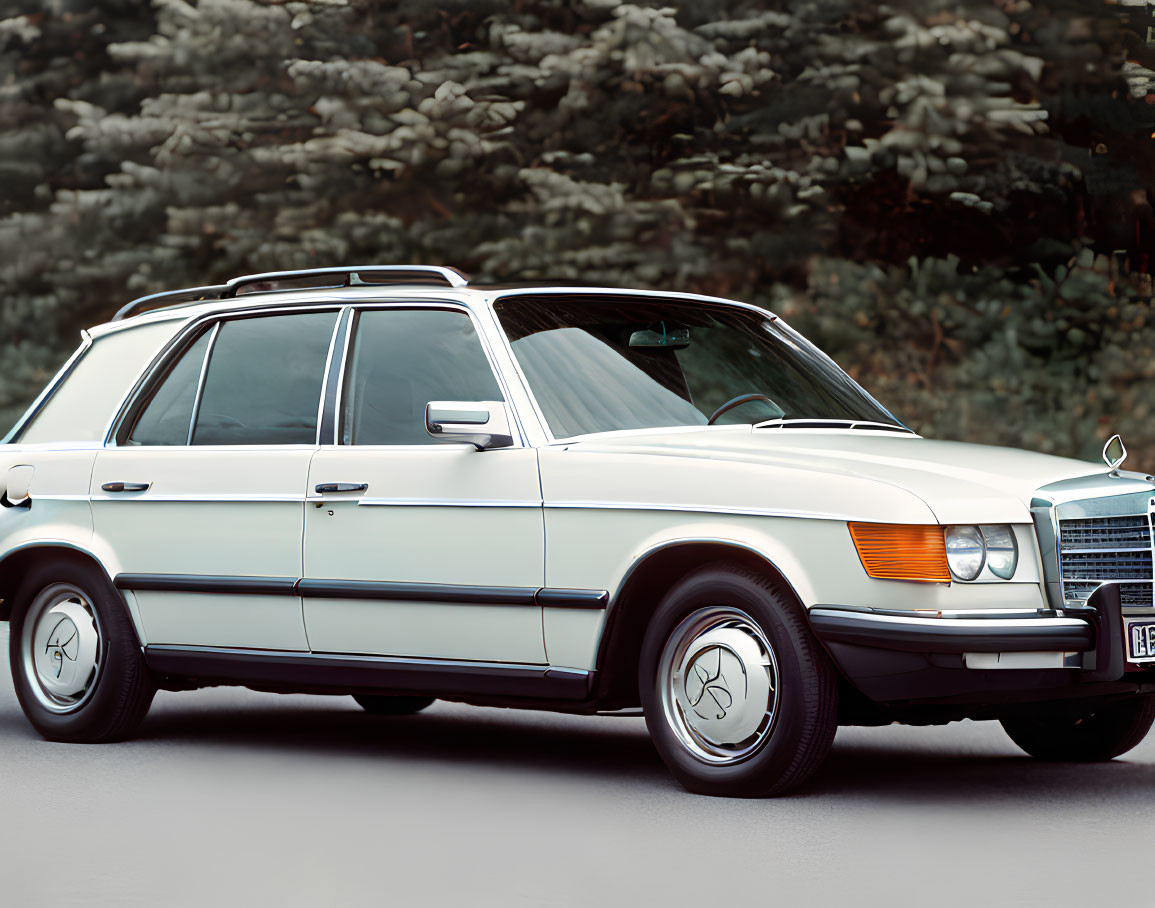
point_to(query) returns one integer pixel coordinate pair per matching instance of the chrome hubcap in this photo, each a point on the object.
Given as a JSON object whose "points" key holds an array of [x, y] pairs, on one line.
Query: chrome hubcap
{"points": [[61, 648], [719, 681]]}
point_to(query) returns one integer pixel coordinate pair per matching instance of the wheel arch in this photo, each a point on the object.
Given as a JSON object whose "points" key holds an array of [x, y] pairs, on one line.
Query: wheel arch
{"points": [[16, 562], [644, 585]]}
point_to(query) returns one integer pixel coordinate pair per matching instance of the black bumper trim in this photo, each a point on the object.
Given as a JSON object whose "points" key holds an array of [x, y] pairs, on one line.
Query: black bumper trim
{"points": [[1110, 659], [951, 635]]}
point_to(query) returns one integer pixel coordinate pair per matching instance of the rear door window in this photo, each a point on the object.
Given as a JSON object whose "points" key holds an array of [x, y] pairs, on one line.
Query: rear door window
{"points": [[263, 381], [167, 417]]}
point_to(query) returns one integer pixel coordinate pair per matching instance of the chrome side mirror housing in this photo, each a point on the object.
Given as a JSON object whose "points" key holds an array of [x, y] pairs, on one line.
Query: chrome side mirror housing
{"points": [[483, 424]]}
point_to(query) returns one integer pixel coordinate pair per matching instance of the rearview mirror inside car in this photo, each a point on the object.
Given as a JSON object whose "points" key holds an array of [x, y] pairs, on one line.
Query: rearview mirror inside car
{"points": [[673, 339]]}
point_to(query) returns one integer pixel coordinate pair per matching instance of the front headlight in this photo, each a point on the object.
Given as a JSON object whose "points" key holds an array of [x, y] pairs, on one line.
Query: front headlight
{"points": [[965, 552], [935, 554], [1002, 551]]}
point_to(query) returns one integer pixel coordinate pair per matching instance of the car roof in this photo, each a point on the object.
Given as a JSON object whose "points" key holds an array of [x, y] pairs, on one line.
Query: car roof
{"points": [[193, 303]]}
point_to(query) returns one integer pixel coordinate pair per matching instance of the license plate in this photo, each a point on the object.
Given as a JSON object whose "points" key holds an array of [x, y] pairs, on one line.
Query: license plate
{"points": [[1141, 641]]}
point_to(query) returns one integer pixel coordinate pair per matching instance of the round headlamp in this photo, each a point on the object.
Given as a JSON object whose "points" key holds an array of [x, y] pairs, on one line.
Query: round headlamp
{"points": [[1002, 551], [965, 552]]}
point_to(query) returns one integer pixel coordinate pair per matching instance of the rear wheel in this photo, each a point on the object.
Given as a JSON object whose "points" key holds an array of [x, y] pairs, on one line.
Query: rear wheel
{"points": [[739, 697], [76, 663], [392, 706], [1084, 734]]}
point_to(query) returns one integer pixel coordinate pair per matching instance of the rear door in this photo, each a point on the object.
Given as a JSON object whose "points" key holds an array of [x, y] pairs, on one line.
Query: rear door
{"points": [[202, 500], [415, 547]]}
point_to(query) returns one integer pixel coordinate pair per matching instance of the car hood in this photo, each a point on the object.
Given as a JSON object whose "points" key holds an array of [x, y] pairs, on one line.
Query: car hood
{"points": [[959, 482]]}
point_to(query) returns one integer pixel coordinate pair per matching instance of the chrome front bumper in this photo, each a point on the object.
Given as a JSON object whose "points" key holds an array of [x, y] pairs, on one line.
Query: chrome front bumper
{"points": [[890, 655]]}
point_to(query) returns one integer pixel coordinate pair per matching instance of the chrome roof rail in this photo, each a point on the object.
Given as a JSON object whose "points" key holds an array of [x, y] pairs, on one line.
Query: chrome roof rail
{"points": [[351, 276], [170, 298], [354, 276]]}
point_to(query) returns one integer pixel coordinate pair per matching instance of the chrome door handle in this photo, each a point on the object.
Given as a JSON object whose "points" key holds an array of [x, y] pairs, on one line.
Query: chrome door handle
{"points": [[126, 487], [326, 487]]}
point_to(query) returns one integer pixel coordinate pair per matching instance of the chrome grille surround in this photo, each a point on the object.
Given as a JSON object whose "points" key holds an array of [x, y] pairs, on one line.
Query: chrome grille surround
{"points": [[1097, 529]]}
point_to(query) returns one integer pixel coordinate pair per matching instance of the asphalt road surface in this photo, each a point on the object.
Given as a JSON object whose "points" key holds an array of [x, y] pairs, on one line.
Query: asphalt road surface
{"points": [[230, 797]]}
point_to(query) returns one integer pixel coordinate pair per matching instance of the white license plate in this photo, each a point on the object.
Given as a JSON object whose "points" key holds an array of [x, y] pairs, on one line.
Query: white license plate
{"points": [[1141, 641]]}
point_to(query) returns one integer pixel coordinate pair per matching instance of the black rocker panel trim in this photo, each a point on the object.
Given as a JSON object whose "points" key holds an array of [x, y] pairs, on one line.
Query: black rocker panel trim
{"points": [[366, 589], [339, 672], [199, 583]]}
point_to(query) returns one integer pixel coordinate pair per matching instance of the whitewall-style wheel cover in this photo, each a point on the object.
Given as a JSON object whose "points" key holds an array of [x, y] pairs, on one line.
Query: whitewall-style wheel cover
{"points": [[719, 685]]}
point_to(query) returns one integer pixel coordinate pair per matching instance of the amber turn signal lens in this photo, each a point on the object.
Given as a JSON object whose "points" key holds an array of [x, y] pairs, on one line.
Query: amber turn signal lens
{"points": [[901, 551]]}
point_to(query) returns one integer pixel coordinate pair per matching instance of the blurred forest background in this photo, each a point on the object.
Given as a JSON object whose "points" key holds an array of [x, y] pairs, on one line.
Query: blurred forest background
{"points": [[952, 197]]}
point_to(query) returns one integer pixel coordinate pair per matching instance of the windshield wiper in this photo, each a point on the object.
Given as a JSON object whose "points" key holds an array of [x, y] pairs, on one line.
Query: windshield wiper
{"points": [[831, 424]]}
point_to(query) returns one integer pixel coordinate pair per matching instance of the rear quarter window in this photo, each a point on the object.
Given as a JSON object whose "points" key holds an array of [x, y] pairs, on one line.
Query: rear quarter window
{"points": [[86, 402]]}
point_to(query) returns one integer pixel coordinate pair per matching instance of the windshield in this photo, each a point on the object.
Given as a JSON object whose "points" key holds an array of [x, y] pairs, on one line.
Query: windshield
{"points": [[603, 363]]}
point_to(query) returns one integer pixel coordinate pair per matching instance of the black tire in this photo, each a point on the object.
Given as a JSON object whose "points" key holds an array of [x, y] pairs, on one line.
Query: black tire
{"points": [[120, 691], [798, 737], [392, 706], [1084, 734]]}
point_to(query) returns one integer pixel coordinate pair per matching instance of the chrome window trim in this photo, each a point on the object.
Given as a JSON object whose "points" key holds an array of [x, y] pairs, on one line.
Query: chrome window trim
{"points": [[520, 438], [189, 498], [191, 327], [200, 389], [342, 315], [49, 391], [651, 294], [680, 296], [342, 368], [497, 340], [441, 503], [695, 509]]}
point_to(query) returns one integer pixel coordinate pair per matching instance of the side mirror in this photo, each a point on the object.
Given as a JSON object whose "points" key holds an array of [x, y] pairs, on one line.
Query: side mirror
{"points": [[484, 424]]}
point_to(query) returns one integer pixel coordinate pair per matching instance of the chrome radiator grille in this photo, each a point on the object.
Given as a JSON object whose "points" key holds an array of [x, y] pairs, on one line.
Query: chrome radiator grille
{"points": [[1100, 549]]}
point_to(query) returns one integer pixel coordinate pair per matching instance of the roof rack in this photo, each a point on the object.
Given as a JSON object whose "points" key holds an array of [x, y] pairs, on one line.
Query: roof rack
{"points": [[317, 278]]}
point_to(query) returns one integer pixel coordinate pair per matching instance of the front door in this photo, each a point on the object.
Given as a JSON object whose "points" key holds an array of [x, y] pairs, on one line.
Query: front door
{"points": [[413, 547], [201, 501]]}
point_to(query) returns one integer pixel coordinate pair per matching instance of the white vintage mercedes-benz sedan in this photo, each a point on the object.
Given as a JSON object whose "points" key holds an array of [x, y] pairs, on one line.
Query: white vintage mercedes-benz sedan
{"points": [[389, 483]]}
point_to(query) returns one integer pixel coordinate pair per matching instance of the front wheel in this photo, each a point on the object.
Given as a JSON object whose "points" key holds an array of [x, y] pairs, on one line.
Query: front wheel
{"points": [[1084, 735], [739, 697], [76, 664]]}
